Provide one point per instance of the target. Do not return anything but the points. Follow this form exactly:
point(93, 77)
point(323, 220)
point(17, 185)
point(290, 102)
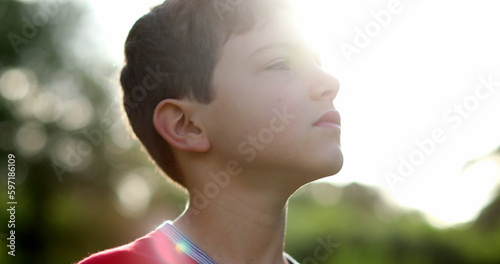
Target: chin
point(331, 167)
point(320, 171)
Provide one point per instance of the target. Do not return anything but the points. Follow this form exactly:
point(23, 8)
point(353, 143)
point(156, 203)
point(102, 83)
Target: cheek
point(278, 124)
point(268, 112)
point(263, 116)
point(281, 111)
point(259, 124)
point(274, 110)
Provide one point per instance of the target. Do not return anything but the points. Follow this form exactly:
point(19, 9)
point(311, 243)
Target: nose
point(324, 86)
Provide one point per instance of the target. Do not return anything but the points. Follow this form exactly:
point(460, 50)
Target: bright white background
point(395, 91)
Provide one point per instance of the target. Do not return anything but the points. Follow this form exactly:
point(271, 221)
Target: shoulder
point(122, 255)
point(154, 248)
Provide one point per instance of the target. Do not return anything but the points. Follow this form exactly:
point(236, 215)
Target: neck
point(238, 225)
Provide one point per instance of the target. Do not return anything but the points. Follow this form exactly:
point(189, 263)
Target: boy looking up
point(232, 104)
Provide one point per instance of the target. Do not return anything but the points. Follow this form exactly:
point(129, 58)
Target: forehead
point(281, 30)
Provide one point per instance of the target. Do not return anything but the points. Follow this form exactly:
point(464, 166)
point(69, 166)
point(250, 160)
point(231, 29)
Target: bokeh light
point(70, 154)
point(77, 114)
point(31, 138)
point(15, 84)
point(47, 107)
point(134, 195)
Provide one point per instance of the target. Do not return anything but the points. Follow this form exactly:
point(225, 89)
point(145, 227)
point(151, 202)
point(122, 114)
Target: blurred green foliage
point(368, 230)
point(73, 188)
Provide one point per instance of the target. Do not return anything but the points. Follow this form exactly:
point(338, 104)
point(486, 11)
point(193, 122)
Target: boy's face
point(270, 93)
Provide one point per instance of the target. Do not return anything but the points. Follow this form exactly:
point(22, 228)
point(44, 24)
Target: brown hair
point(171, 53)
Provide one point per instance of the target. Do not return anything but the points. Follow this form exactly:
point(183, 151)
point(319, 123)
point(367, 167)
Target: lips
point(330, 119)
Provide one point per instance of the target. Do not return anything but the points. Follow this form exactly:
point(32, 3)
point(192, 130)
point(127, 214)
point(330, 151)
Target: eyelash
point(281, 65)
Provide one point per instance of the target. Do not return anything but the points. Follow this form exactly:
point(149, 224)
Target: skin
point(268, 68)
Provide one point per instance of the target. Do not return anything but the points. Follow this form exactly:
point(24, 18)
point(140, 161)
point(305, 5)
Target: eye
point(280, 65)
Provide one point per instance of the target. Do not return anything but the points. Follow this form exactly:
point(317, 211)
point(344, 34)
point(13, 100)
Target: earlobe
point(173, 121)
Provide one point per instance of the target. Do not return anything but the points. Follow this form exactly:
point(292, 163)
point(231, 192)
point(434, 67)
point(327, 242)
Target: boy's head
point(200, 76)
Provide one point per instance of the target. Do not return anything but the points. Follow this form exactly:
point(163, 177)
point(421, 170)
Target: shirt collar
point(184, 244)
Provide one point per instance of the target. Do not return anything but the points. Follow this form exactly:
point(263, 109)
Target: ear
point(174, 122)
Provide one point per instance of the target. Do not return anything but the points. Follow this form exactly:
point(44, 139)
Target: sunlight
point(397, 89)
point(309, 14)
point(315, 19)
point(480, 177)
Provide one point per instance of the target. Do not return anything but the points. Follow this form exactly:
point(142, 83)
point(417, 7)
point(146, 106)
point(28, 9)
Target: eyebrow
point(293, 46)
point(275, 46)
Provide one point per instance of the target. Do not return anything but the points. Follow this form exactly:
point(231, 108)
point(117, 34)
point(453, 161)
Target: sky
point(419, 97)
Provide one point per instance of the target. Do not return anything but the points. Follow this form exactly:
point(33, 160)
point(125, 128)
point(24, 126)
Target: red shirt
point(154, 248)
point(165, 245)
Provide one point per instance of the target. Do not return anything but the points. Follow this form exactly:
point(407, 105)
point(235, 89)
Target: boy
point(231, 103)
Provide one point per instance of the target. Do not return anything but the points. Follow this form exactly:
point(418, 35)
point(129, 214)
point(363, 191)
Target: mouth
point(330, 119)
